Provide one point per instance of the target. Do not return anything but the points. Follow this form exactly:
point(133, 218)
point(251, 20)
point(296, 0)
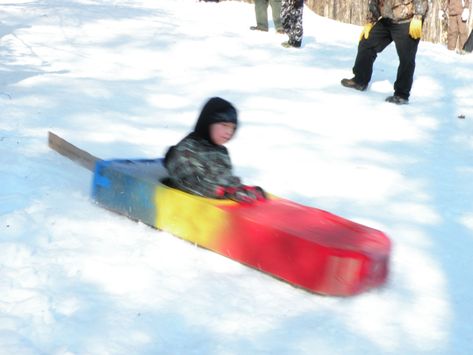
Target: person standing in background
point(458, 12)
point(390, 21)
point(261, 11)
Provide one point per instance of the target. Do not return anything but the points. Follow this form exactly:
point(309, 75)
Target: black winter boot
point(258, 28)
point(398, 100)
point(352, 84)
point(289, 44)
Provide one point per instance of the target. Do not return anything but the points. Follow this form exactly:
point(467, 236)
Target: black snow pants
point(381, 35)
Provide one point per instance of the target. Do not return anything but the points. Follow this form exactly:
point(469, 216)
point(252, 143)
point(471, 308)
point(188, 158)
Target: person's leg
point(291, 15)
point(261, 11)
point(368, 49)
point(285, 15)
point(276, 12)
point(406, 48)
point(295, 37)
point(452, 32)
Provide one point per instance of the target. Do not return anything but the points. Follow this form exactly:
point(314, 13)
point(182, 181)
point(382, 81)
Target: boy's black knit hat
point(215, 110)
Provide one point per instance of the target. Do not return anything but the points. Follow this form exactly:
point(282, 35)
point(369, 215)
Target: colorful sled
point(307, 247)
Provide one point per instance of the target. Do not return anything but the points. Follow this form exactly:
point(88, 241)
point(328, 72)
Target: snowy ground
point(126, 79)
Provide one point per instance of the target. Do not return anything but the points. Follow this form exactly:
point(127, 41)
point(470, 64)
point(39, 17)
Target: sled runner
point(304, 246)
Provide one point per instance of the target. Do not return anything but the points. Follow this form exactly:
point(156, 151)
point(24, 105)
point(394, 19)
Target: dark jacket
point(197, 165)
point(396, 10)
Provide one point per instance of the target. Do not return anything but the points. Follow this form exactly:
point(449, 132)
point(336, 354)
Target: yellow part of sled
point(196, 219)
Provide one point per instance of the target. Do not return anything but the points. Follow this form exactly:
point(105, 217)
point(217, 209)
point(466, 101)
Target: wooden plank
point(72, 152)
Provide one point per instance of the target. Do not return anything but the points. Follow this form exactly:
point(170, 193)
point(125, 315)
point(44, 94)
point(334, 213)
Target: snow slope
point(126, 79)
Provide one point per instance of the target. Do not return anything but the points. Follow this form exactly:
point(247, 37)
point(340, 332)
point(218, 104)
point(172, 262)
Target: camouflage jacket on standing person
point(200, 167)
point(396, 10)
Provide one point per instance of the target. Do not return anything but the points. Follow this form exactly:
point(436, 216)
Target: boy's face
point(221, 132)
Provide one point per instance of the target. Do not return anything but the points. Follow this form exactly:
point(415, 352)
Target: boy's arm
point(190, 175)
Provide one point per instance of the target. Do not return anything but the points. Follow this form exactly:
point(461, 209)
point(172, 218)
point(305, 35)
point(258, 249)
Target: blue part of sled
point(128, 186)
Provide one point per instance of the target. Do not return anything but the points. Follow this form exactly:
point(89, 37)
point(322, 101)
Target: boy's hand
point(242, 194)
point(256, 191)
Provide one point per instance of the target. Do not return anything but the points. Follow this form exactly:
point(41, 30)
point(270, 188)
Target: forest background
point(354, 12)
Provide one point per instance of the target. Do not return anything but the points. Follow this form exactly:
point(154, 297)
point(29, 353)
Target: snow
point(126, 79)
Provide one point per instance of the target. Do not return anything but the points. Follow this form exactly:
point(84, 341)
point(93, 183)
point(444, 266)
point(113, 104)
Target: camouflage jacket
point(396, 10)
point(199, 167)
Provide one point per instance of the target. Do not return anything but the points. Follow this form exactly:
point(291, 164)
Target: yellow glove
point(366, 31)
point(415, 27)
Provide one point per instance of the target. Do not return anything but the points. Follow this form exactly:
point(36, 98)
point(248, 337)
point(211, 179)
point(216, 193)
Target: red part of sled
point(308, 247)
